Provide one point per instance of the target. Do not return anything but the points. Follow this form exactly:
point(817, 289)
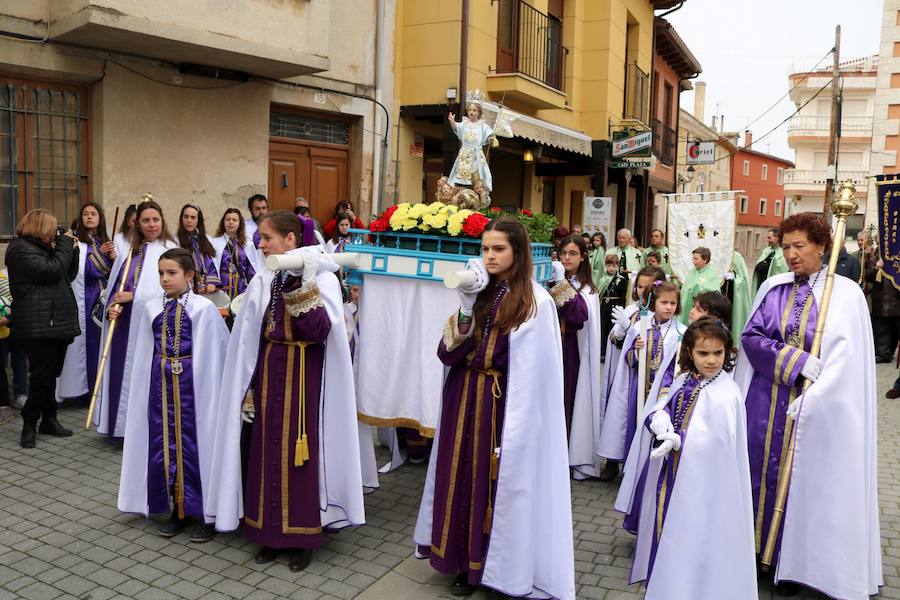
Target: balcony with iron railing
point(820, 126)
point(531, 59)
point(637, 94)
point(665, 142)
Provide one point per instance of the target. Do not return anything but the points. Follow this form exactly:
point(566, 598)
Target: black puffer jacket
point(43, 306)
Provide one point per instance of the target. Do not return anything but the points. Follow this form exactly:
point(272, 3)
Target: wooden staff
point(843, 206)
point(115, 222)
point(109, 336)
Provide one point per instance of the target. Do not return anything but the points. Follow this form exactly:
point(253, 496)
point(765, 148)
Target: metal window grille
point(43, 152)
point(311, 129)
point(637, 93)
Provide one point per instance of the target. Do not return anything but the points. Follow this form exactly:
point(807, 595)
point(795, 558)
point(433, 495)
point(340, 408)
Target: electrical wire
point(171, 84)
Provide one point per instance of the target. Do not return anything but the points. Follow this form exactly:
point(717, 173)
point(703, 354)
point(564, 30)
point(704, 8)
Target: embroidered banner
point(700, 220)
point(888, 187)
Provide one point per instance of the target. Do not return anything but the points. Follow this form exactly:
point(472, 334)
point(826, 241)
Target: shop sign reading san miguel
point(631, 148)
point(888, 225)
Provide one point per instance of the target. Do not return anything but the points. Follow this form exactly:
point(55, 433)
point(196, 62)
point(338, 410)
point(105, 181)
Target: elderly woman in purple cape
point(829, 537)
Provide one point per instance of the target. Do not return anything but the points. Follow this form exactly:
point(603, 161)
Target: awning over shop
point(540, 131)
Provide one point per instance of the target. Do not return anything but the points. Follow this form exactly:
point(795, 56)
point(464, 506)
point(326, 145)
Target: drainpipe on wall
point(463, 57)
point(378, 193)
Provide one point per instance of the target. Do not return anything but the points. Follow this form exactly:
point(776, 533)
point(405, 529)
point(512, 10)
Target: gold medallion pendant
point(794, 339)
point(177, 368)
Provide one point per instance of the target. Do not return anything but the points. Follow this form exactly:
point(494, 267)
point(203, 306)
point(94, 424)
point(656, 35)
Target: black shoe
point(300, 560)
point(609, 472)
point(883, 359)
point(461, 586)
point(173, 526)
point(50, 426)
point(29, 435)
point(787, 588)
point(265, 555)
point(203, 533)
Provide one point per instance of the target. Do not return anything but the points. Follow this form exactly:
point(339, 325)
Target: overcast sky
point(747, 50)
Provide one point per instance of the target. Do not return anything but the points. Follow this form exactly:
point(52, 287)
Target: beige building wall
point(886, 127)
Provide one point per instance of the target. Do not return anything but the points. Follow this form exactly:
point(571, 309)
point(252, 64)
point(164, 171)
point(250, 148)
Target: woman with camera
point(42, 261)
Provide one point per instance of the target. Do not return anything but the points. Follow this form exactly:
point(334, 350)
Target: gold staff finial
point(844, 203)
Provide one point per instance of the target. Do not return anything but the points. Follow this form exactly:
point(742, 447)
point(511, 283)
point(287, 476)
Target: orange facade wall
point(664, 74)
point(756, 188)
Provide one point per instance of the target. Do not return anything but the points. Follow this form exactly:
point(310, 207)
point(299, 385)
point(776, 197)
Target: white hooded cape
point(219, 243)
point(530, 552)
point(147, 289)
point(706, 550)
point(366, 440)
point(613, 444)
point(72, 382)
point(587, 412)
point(209, 338)
point(832, 504)
point(340, 482)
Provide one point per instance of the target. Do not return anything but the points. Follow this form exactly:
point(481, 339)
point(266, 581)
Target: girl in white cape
point(692, 508)
point(151, 238)
point(236, 259)
point(663, 337)
point(179, 357)
point(288, 374)
point(578, 306)
point(496, 510)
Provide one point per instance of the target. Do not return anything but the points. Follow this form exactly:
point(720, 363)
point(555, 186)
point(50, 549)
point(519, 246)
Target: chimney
point(713, 127)
point(699, 101)
point(748, 138)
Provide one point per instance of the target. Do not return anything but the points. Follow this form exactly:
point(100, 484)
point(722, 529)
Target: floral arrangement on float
point(436, 218)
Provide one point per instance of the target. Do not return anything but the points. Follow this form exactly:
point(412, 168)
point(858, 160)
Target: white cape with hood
point(147, 289)
point(73, 381)
point(209, 338)
point(253, 255)
point(703, 553)
point(340, 482)
point(530, 552)
point(613, 444)
point(588, 409)
point(832, 503)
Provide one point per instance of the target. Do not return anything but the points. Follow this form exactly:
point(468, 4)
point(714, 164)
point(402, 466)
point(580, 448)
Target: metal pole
point(834, 128)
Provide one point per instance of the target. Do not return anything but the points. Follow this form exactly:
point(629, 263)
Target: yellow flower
point(417, 210)
point(455, 221)
point(400, 215)
point(437, 220)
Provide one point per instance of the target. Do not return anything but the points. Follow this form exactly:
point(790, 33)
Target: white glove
point(793, 410)
point(482, 277)
point(247, 416)
point(661, 423)
point(466, 301)
point(620, 323)
point(557, 271)
point(729, 276)
point(812, 368)
point(671, 441)
point(310, 264)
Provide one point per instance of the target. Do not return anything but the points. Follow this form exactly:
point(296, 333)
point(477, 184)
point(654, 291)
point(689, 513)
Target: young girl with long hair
point(696, 429)
point(179, 357)
point(95, 259)
point(236, 256)
point(151, 238)
point(290, 377)
point(663, 336)
point(192, 236)
point(341, 235)
point(122, 238)
point(499, 456)
point(578, 307)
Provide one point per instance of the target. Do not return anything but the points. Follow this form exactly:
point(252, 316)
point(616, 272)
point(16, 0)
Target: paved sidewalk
point(61, 536)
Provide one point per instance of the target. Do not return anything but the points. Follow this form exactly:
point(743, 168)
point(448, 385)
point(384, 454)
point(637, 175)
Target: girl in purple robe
point(664, 334)
point(573, 312)
point(466, 468)
point(235, 253)
point(151, 238)
point(96, 256)
point(174, 402)
point(192, 236)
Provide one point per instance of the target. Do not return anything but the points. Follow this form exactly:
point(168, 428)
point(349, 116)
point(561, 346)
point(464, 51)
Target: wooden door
point(507, 35)
point(318, 173)
point(327, 181)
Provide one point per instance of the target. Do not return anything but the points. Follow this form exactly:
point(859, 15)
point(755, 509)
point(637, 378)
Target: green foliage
point(540, 226)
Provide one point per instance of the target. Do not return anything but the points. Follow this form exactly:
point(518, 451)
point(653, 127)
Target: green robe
point(596, 258)
point(778, 265)
point(603, 282)
point(697, 282)
point(743, 300)
point(634, 260)
point(664, 253)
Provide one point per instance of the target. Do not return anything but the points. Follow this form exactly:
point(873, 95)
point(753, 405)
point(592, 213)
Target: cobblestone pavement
point(61, 536)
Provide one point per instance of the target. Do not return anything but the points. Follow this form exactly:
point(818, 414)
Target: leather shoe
point(300, 560)
point(610, 471)
point(29, 435)
point(461, 586)
point(265, 555)
point(787, 589)
point(204, 533)
point(892, 393)
point(50, 426)
point(173, 526)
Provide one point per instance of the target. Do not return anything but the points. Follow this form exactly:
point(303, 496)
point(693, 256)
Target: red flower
point(474, 225)
point(379, 225)
point(527, 212)
point(496, 209)
point(386, 215)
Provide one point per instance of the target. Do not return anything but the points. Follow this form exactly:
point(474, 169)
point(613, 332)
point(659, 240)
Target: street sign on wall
point(632, 143)
point(597, 215)
point(701, 153)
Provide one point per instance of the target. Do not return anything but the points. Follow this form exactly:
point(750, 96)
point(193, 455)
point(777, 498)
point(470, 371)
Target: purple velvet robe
point(173, 462)
point(281, 500)
point(775, 384)
point(572, 317)
point(96, 272)
point(119, 347)
point(206, 265)
point(474, 402)
point(237, 271)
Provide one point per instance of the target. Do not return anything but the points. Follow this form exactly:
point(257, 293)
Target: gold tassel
point(301, 448)
point(298, 453)
point(495, 466)
point(304, 444)
point(488, 519)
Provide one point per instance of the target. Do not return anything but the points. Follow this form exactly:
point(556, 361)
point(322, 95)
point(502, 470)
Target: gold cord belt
point(301, 447)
